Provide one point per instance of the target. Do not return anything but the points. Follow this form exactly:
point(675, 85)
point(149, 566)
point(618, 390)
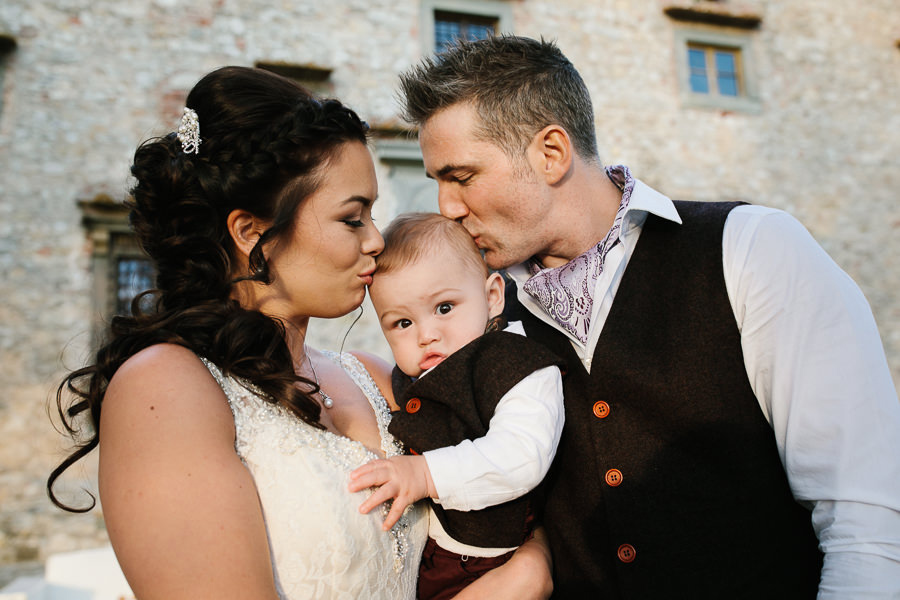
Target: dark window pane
point(728, 86)
point(699, 84)
point(725, 63)
point(133, 276)
point(726, 73)
point(479, 32)
point(697, 71)
point(444, 34)
point(696, 59)
point(448, 26)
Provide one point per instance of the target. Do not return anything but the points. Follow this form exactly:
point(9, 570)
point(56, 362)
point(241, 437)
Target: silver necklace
point(327, 402)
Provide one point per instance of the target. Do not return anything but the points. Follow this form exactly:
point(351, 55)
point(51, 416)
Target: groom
point(730, 419)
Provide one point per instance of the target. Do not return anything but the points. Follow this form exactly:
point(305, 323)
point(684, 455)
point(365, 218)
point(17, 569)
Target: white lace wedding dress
point(321, 546)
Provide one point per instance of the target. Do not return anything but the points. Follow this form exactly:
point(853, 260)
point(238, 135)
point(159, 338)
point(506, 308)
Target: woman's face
point(322, 267)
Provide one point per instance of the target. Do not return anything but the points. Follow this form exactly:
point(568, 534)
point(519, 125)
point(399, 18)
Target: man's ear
point(551, 153)
point(494, 288)
point(244, 229)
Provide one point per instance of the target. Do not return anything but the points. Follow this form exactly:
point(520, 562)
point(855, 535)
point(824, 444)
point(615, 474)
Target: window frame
point(123, 245)
point(400, 156)
point(106, 226)
point(712, 72)
point(501, 11)
point(741, 44)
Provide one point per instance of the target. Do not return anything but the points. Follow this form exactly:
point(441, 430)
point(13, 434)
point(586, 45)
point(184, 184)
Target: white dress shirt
point(817, 366)
point(507, 462)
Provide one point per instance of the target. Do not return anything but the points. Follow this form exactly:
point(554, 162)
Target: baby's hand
point(403, 478)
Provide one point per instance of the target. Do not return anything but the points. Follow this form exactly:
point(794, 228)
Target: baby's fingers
point(366, 476)
point(382, 494)
point(368, 468)
point(394, 514)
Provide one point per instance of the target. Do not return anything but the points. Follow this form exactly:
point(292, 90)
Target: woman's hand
point(527, 575)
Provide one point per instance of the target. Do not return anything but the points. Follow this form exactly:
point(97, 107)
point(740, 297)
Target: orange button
point(413, 405)
point(601, 409)
point(626, 553)
point(614, 477)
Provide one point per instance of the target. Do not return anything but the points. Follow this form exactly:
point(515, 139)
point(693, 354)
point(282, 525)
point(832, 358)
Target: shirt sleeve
point(817, 366)
point(515, 454)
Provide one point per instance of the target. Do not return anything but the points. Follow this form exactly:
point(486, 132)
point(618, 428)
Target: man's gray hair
point(517, 86)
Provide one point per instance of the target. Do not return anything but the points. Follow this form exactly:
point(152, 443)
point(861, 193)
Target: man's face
point(503, 206)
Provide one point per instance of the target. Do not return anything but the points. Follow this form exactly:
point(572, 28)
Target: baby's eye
point(444, 307)
point(402, 323)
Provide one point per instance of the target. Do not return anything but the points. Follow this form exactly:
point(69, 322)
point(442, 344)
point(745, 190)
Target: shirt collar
point(644, 199)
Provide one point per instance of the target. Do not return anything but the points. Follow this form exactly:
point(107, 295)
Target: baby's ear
point(494, 289)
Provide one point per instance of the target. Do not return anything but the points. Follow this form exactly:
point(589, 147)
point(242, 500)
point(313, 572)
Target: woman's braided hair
point(265, 141)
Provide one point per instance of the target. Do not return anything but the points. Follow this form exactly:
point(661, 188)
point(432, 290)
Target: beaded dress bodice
point(320, 545)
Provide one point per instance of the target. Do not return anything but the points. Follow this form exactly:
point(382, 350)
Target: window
point(119, 267)
point(407, 184)
point(449, 26)
point(131, 273)
point(444, 21)
point(715, 69)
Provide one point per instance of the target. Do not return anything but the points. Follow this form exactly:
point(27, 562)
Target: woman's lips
point(367, 276)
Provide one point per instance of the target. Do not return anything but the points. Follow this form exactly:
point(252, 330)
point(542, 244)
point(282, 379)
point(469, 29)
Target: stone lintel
point(7, 43)
point(301, 72)
point(102, 211)
point(713, 15)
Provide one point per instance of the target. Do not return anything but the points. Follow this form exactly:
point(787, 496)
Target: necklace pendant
point(327, 402)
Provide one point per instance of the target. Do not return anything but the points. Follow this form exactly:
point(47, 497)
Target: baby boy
point(480, 409)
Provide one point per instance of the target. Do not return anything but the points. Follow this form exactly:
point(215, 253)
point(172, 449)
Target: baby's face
point(431, 308)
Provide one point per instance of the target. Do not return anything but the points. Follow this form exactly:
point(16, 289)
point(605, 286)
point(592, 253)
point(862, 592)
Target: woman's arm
point(527, 575)
point(181, 509)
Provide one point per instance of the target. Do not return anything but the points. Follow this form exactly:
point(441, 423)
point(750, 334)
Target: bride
point(225, 441)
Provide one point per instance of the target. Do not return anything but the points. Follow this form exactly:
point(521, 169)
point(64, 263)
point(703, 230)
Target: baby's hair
point(411, 236)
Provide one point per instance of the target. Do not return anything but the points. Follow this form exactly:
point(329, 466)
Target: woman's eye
point(402, 323)
point(444, 307)
point(354, 222)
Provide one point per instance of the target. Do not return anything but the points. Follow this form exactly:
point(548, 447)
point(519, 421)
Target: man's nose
point(450, 203)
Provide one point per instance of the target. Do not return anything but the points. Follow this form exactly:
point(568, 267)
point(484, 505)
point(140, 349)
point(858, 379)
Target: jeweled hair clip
point(189, 132)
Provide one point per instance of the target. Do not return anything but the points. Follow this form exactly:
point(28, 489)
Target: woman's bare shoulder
point(160, 358)
point(169, 381)
point(380, 371)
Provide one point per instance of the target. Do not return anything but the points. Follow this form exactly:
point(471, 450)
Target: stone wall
point(89, 80)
